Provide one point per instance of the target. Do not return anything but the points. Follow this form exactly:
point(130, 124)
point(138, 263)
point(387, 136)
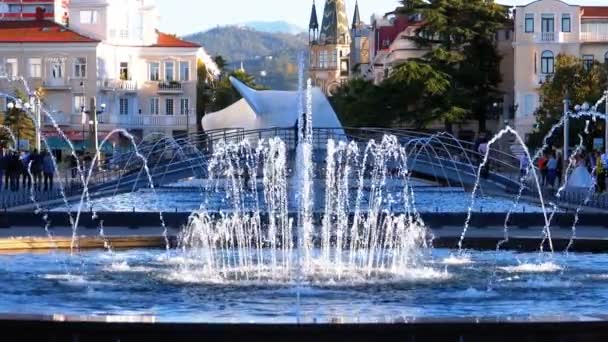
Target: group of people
point(586, 169)
point(550, 167)
point(22, 170)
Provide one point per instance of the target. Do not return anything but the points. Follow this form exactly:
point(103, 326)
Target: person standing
point(24, 160)
point(3, 170)
point(73, 166)
point(13, 170)
point(600, 174)
point(48, 168)
point(524, 165)
point(542, 166)
point(36, 169)
point(552, 170)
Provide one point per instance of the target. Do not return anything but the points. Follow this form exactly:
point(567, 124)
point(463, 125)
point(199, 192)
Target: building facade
point(56, 10)
point(145, 79)
point(545, 29)
point(330, 46)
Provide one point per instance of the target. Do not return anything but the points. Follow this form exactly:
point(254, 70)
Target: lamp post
point(93, 114)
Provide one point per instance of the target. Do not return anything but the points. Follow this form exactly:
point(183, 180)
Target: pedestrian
point(552, 170)
point(36, 169)
point(542, 166)
point(24, 160)
point(73, 165)
point(87, 161)
point(48, 168)
point(3, 169)
point(524, 165)
point(600, 174)
point(4, 166)
point(14, 169)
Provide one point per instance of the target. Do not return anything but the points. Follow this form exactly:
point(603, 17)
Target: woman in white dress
point(580, 177)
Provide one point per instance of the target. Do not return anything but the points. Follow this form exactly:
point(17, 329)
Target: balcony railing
point(594, 36)
point(137, 120)
point(170, 87)
point(118, 85)
point(58, 84)
point(549, 37)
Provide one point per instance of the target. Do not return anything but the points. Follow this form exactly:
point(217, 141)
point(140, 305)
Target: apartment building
point(545, 29)
point(56, 10)
point(111, 52)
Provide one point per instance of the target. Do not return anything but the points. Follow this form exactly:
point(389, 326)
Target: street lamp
point(93, 114)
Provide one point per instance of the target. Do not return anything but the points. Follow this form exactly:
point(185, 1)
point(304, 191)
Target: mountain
point(274, 27)
point(271, 57)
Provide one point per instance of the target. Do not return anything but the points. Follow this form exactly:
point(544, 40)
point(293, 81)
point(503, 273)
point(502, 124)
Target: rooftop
point(168, 40)
point(39, 31)
point(595, 11)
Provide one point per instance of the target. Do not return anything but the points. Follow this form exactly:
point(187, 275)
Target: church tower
point(330, 48)
point(359, 50)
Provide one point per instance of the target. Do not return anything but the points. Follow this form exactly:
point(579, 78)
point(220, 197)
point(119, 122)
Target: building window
point(529, 105)
point(323, 62)
point(35, 67)
point(124, 71)
point(11, 67)
point(169, 71)
point(507, 34)
point(56, 69)
point(80, 67)
point(88, 17)
point(184, 71)
point(169, 109)
point(588, 61)
point(154, 71)
point(548, 23)
point(124, 106)
point(529, 23)
point(184, 105)
point(547, 63)
point(154, 106)
point(566, 23)
point(79, 103)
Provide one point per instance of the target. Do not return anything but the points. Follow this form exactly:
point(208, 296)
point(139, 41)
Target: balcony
point(56, 84)
point(549, 37)
point(142, 121)
point(591, 37)
point(112, 85)
point(172, 87)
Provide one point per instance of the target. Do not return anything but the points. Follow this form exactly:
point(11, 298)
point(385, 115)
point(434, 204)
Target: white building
point(113, 52)
point(545, 29)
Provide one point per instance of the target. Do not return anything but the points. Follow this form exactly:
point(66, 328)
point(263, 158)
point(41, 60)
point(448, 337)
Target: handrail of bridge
point(207, 140)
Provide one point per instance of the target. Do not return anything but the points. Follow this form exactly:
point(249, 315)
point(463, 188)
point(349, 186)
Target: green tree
point(18, 121)
point(582, 85)
point(460, 35)
point(409, 97)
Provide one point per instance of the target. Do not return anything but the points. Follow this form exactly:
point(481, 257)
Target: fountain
point(311, 228)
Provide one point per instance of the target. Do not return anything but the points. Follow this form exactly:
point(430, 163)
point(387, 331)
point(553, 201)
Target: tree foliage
point(18, 121)
point(217, 93)
point(460, 35)
point(582, 85)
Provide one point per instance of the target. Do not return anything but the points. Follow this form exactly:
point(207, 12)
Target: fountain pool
point(145, 283)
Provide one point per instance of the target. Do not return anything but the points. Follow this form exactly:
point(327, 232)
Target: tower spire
point(314, 22)
point(356, 17)
point(313, 26)
point(334, 28)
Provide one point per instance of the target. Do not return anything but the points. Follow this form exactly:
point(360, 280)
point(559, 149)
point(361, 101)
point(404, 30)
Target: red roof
point(39, 31)
point(595, 12)
point(168, 40)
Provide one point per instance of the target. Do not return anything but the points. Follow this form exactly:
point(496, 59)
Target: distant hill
point(271, 57)
point(274, 27)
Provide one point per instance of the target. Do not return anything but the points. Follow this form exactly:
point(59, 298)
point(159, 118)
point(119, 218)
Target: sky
point(190, 16)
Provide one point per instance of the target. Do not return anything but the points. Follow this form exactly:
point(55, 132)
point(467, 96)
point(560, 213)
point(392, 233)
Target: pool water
point(153, 283)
